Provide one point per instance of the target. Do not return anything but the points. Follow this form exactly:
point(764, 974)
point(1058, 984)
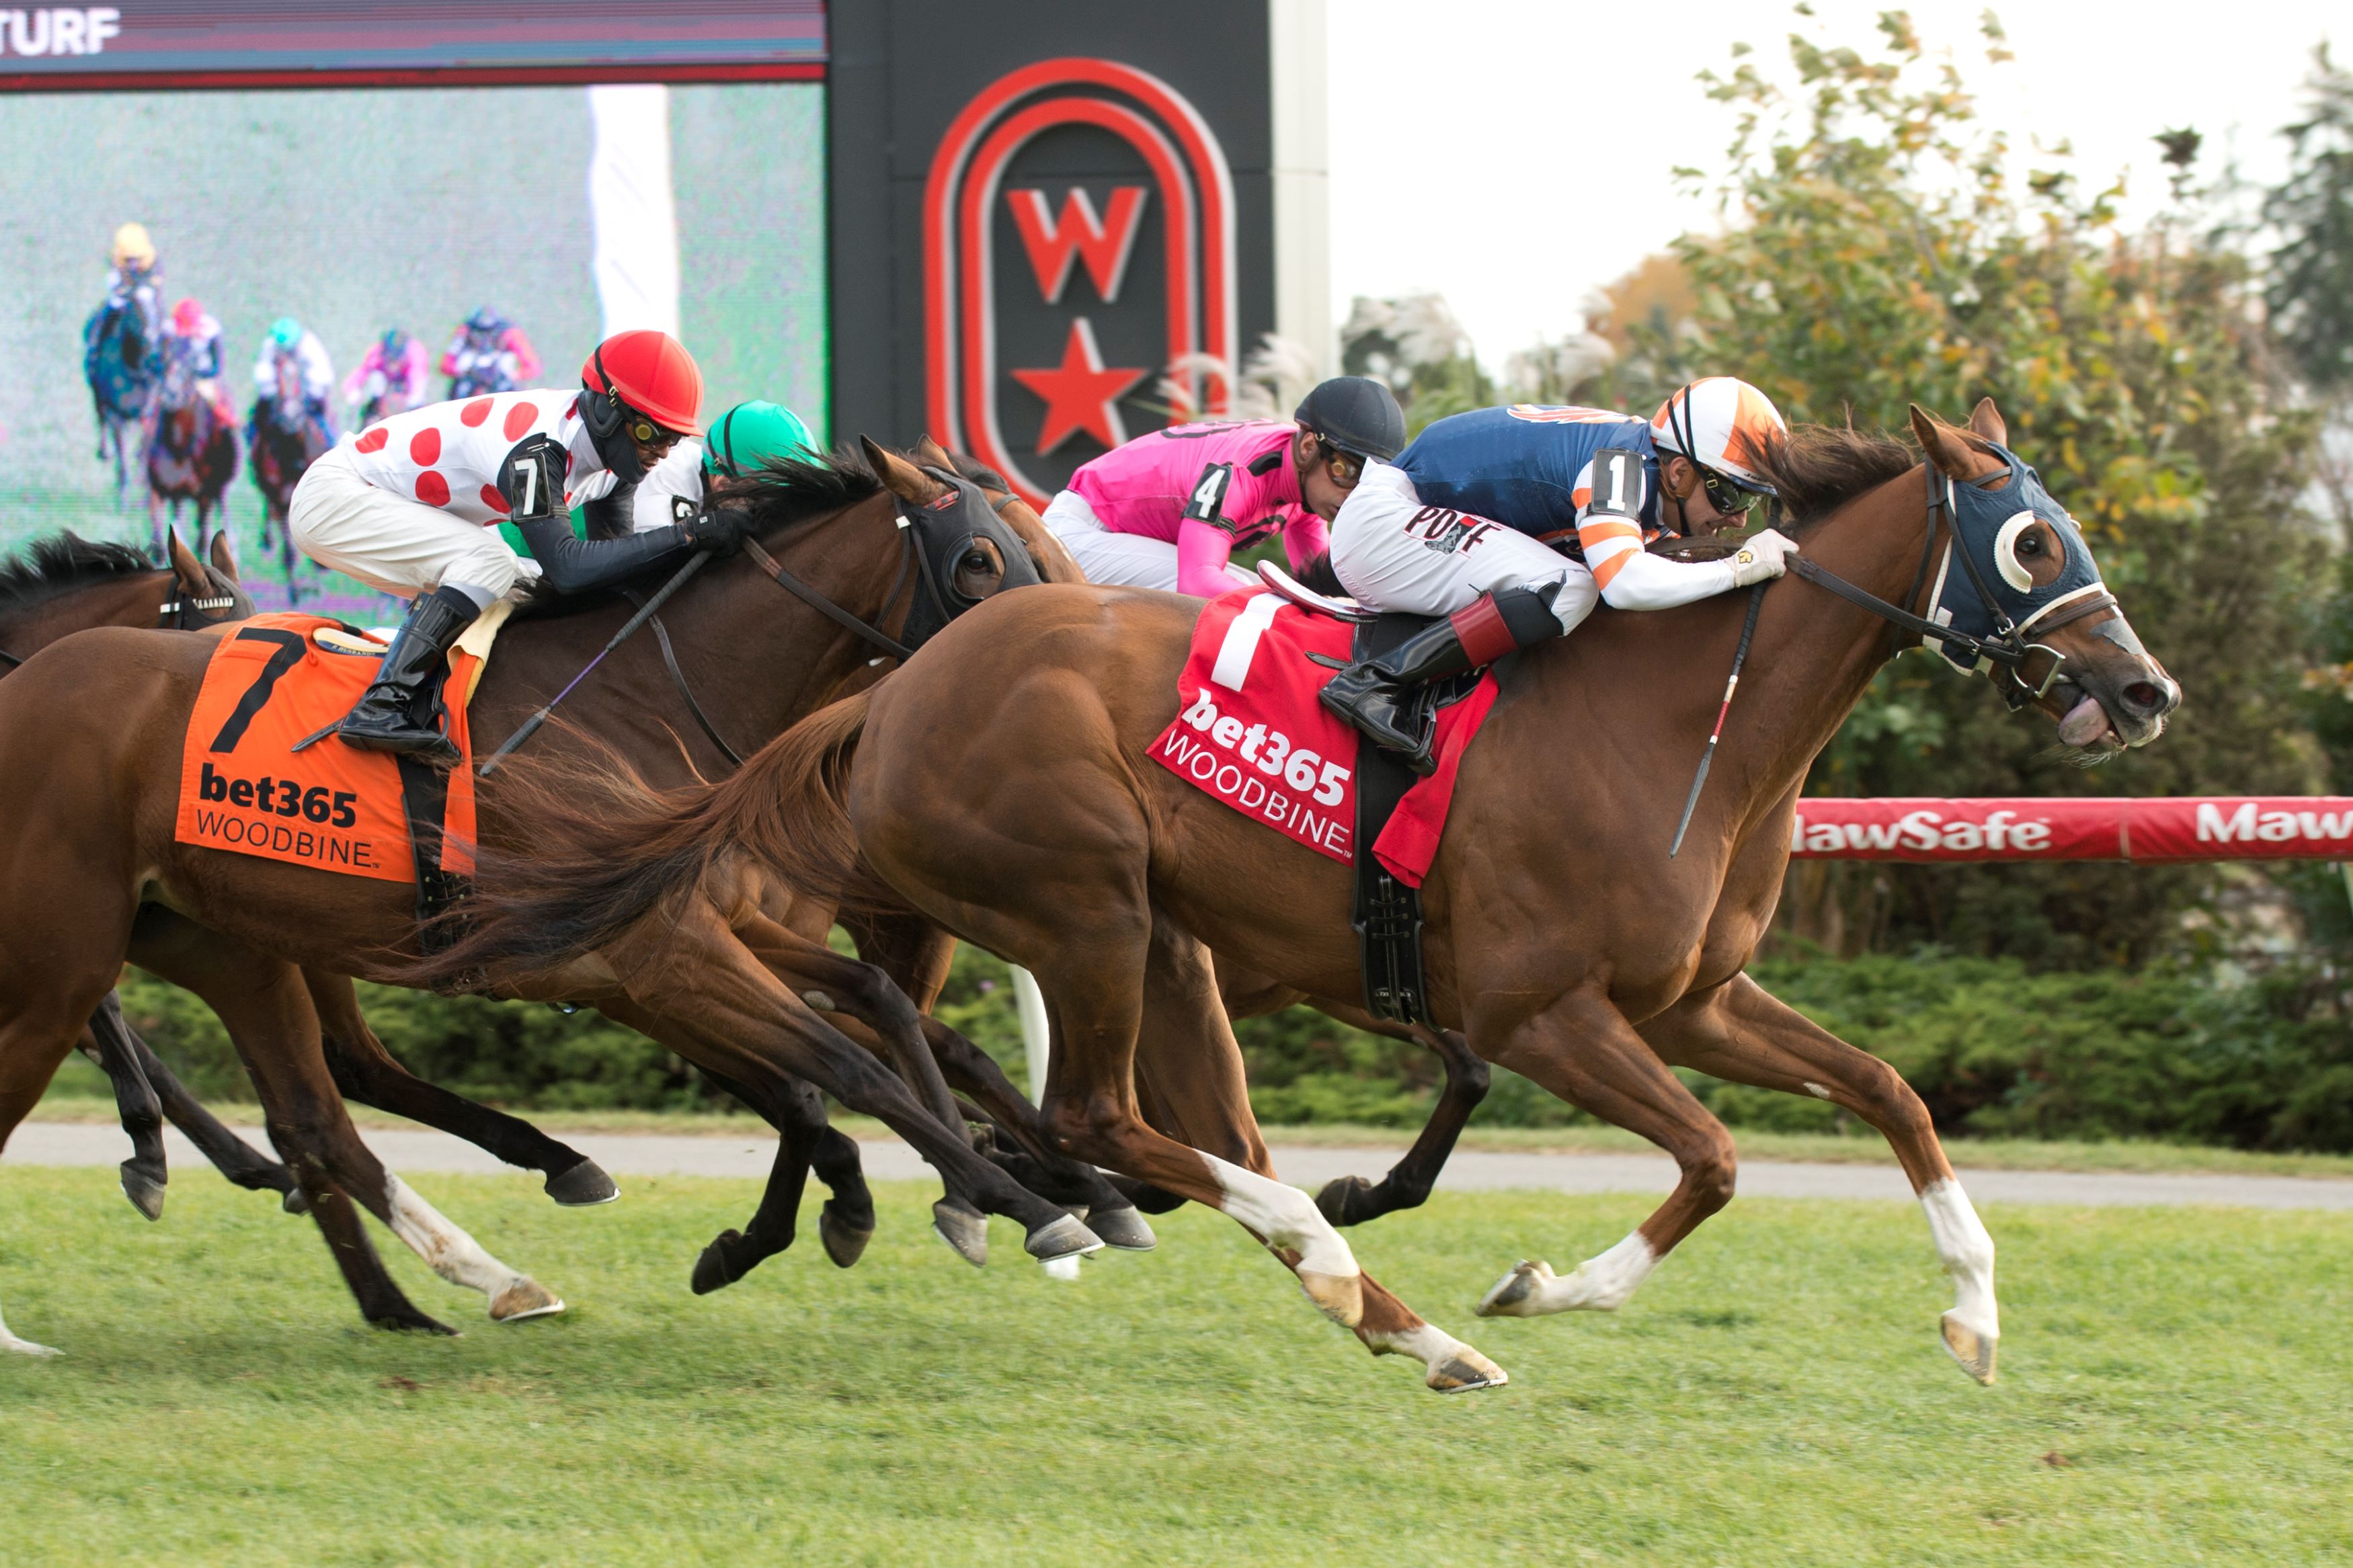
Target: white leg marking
point(1285, 1217)
point(459, 1258)
point(1601, 1284)
point(9, 1342)
point(1966, 1251)
point(1449, 1365)
point(819, 1000)
point(1817, 1091)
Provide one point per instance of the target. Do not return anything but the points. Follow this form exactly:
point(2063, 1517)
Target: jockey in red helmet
point(420, 505)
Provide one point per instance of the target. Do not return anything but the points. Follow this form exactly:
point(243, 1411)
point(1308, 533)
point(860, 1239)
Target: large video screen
point(560, 211)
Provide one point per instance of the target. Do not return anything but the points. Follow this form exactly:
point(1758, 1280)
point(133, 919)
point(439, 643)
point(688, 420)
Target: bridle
point(177, 614)
point(2008, 650)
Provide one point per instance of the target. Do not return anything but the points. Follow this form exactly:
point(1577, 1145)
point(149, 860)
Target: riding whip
point(1739, 658)
point(530, 726)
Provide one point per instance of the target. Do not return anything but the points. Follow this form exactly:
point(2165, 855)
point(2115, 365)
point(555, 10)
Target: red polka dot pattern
point(432, 489)
point(495, 501)
point(372, 440)
point(474, 413)
point(424, 447)
point(520, 418)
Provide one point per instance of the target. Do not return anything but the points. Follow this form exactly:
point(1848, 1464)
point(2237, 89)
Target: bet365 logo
point(284, 797)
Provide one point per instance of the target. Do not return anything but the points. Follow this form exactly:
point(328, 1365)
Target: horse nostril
point(2145, 696)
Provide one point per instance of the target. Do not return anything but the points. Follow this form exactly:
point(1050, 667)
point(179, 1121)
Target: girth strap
point(820, 603)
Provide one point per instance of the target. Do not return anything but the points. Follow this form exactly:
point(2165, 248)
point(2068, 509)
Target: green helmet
point(750, 435)
point(286, 332)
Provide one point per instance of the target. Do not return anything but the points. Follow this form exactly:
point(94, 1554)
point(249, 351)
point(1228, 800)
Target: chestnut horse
point(89, 854)
point(1000, 784)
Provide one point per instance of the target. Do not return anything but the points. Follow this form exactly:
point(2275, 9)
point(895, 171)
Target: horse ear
point(1957, 454)
point(932, 455)
point(1052, 558)
point(224, 560)
point(187, 569)
point(1985, 420)
point(906, 481)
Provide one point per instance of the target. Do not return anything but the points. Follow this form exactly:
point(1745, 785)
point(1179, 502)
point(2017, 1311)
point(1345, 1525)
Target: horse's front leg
point(1582, 1049)
point(1738, 1032)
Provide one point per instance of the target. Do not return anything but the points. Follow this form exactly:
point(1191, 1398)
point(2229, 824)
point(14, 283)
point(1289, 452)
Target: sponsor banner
point(270, 43)
point(2216, 827)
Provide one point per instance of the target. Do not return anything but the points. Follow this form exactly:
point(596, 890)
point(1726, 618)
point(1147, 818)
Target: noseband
point(2007, 648)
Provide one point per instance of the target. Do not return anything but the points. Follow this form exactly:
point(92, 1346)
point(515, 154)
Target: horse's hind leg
point(136, 1103)
point(240, 1162)
point(1583, 1049)
point(1740, 1033)
point(270, 1018)
point(364, 1071)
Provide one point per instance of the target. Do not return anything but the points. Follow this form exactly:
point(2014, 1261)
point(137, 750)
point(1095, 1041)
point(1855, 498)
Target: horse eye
point(976, 561)
point(2030, 545)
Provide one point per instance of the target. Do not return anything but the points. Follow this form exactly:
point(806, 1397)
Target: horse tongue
point(2084, 723)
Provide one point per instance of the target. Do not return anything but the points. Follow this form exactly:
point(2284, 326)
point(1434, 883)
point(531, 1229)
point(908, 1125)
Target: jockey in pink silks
point(1167, 510)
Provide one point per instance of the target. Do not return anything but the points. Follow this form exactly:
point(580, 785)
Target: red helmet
point(186, 317)
point(652, 373)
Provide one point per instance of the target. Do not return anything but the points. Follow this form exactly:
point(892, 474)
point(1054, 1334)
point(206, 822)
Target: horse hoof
point(145, 1192)
point(1123, 1228)
point(1063, 1238)
point(1464, 1371)
point(1339, 1297)
point(585, 1185)
point(711, 1270)
point(1974, 1350)
point(1514, 1294)
point(1346, 1200)
point(964, 1228)
point(409, 1320)
point(296, 1201)
point(526, 1298)
point(844, 1243)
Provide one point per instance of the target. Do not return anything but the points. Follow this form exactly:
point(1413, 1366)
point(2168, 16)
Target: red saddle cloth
point(328, 806)
point(1250, 731)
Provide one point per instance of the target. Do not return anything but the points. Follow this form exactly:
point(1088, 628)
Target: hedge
point(1994, 1049)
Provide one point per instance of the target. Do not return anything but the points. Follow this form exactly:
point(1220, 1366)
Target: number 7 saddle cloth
point(1250, 731)
point(276, 680)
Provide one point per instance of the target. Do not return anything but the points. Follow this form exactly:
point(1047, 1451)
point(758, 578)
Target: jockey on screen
point(134, 289)
point(737, 445)
point(194, 334)
point(1462, 526)
point(411, 507)
point(290, 341)
point(489, 354)
point(1168, 509)
point(389, 379)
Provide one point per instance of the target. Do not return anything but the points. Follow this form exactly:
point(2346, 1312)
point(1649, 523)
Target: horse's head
point(965, 551)
point(1052, 558)
point(207, 590)
point(2018, 570)
point(179, 388)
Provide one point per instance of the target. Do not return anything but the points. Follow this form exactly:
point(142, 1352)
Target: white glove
point(1762, 558)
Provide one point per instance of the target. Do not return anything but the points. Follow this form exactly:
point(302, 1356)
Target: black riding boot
point(397, 713)
point(1377, 694)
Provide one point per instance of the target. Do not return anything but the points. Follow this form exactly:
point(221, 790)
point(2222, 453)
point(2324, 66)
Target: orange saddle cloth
point(271, 683)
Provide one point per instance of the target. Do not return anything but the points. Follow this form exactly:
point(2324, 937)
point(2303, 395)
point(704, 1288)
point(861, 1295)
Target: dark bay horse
point(90, 859)
point(285, 439)
point(999, 785)
point(191, 453)
point(121, 360)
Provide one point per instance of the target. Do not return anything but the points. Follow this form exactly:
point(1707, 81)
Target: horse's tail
point(608, 850)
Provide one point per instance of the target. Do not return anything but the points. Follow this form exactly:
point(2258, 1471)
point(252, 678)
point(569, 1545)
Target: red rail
point(2213, 827)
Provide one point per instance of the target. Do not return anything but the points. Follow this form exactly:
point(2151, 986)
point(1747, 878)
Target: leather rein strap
point(823, 606)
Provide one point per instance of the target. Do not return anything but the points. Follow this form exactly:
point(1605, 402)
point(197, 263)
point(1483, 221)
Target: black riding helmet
point(1356, 414)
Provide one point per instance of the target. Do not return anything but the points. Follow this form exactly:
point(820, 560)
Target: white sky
point(1514, 154)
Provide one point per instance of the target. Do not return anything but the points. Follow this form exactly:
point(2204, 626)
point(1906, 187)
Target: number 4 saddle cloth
point(276, 680)
point(1250, 731)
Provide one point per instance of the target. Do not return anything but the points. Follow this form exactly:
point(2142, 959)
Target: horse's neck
point(1815, 654)
point(132, 600)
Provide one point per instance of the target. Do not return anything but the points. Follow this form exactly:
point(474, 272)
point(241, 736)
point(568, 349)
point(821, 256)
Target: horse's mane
point(792, 489)
point(62, 562)
point(1819, 468)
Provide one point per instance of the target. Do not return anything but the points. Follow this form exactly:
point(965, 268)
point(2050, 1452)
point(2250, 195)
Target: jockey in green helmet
point(735, 447)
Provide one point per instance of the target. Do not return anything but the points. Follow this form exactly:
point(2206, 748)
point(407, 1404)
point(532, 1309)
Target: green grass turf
point(2173, 1392)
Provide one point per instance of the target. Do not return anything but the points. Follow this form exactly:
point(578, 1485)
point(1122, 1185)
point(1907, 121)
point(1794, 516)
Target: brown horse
point(89, 855)
point(1000, 784)
point(191, 452)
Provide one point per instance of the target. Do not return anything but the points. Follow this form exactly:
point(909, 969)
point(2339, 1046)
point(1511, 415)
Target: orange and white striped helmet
point(1720, 422)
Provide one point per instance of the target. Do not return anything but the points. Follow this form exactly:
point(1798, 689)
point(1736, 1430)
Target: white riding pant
point(1130, 560)
point(392, 544)
point(1391, 552)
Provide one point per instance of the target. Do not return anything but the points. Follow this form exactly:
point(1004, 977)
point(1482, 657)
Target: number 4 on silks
point(1209, 498)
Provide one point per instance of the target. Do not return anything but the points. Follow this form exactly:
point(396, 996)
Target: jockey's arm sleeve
point(1630, 579)
point(572, 566)
point(1202, 551)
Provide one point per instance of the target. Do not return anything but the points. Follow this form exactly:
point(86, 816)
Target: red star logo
point(1080, 393)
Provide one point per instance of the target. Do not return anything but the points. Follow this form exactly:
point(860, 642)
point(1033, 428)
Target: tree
point(2311, 289)
point(1878, 253)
